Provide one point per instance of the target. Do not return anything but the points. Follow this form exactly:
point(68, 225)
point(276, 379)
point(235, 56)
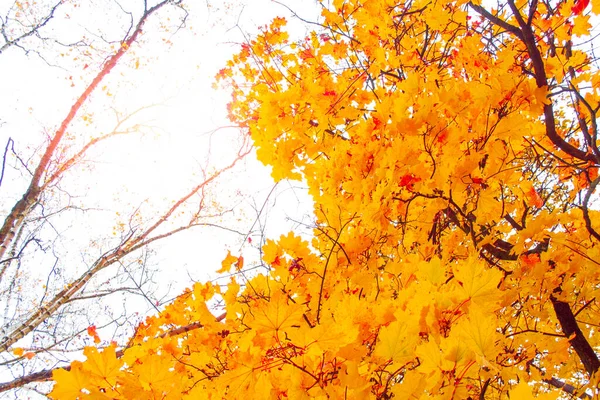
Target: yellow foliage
point(449, 171)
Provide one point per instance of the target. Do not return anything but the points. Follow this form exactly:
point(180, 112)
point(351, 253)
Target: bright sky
point(180, 130)
point(185, 117)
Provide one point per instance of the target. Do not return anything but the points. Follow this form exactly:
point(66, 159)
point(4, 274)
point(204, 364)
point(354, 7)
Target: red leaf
point(276, 261)
point(580, 5)
point(377, 122)
point(91, 330)
point(408, 181)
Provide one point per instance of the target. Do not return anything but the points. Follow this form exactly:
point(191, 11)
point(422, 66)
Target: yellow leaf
point(227, 263)
point(596, 7)
point(478, 281)
point(104, 364)
point(69, 384)
point(232, 292)
point(479, 333)
point(397, 340)
point(432, 271)
point(430, 357)
point(324, 337)
point(155, 373)
point(412, 386)
point(278, 314)
point(521, 392)
point(272, 253)
point(541, 95)
point(581, 25)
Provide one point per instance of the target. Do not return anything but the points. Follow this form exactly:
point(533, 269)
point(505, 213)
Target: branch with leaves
point(454, 253)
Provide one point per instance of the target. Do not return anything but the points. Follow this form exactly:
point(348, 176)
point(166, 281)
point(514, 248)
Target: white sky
point(161, 164)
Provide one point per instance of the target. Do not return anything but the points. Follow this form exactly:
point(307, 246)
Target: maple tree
point(451, 151)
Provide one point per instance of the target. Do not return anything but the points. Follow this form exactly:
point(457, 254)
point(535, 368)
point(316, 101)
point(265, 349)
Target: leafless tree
point(54, 280)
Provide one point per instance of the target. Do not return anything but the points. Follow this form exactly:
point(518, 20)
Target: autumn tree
point(451, 152)
point(70, 267)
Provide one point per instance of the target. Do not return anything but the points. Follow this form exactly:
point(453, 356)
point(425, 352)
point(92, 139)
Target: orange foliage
point(455, 253)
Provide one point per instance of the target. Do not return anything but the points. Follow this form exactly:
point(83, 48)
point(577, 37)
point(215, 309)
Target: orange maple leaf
point(227, 263)
point(533, 198)
point(239, 264)
point(530, 259)
point(103, 364)
point(91, 330)
point(69, 384)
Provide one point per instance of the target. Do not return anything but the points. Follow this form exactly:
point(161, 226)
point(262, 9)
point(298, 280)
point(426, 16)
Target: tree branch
point(525, 34)
point(571, 329)
point(17, 214)
point(127, 246)
point(46, 375)
point(35, 29)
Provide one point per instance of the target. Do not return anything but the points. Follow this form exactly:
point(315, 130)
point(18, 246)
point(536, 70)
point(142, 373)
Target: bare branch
point(34, 30)
point(46, 374)
point(15, 217)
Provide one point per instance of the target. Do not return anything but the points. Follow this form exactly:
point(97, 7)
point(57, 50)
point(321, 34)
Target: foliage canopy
point(451, 151)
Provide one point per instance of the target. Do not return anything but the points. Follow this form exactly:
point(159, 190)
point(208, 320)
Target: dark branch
point(571, 329)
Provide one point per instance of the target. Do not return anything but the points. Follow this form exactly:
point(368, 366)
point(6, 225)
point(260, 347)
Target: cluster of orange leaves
point(421, 148)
